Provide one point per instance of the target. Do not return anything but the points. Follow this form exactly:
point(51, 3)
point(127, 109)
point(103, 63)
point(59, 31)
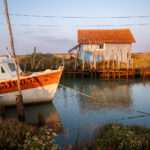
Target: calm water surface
point(124, 101)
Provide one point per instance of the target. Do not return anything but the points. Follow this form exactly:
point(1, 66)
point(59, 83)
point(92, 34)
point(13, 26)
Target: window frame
point(9, 64)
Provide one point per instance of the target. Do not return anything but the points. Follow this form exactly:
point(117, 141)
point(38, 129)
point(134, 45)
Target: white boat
point(36, 88)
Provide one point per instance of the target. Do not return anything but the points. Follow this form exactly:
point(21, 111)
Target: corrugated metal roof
point(105, 36)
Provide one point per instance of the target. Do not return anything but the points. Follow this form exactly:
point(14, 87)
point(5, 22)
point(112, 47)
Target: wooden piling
point(103, 60)
point(91, 74)
point(12, 47)
point(128, 54)
point(113, 65)
point(132, 63)
point(118, 57)
point(94, 60)
point(75, 64)
point(108, 64)
point(2, 111)
point(83, 62)
point(20, 108)
point(41, 119)
point(15, 62)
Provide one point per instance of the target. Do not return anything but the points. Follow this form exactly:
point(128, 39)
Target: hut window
point(101, 46)
point(2, 70)
point(11, 67)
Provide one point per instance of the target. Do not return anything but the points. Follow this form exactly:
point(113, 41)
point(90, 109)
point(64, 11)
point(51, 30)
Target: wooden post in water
point(41, 119)
point(19, 97)
point(20, 108)
point(2, 109)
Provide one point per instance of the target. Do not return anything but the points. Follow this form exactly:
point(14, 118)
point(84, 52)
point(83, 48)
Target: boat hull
point(35, 89)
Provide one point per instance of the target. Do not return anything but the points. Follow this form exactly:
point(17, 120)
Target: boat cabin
point(7, 68)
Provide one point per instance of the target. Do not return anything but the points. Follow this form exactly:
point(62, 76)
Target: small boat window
point(2, 70)
point(11, 67)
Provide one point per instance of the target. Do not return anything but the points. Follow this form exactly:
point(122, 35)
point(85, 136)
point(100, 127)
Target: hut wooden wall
point(118, 52)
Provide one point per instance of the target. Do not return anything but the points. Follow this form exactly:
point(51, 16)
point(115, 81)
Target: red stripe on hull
point(30, 82)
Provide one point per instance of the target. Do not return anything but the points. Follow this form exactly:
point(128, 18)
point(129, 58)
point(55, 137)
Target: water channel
point(104, 101)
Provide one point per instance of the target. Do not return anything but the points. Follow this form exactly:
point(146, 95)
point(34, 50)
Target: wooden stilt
point(128, 54)
point(94, 61)
point(103, 60)
point(91, 67)
point(75, 64)
point(108, 64)
point(119, 74)
point(83, 63)
point(108, 74)
point(132, 63)
point(113, 58)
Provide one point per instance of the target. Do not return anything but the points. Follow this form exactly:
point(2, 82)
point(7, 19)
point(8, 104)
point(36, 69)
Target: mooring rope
point(93, 98)
point(76, 91)
point(141, 112)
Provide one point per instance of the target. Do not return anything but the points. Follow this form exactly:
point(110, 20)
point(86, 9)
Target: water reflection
point(51, 117)
point(108, 95)
point(124, 101)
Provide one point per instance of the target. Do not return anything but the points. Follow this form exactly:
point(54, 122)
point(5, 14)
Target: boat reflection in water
point(51, 117)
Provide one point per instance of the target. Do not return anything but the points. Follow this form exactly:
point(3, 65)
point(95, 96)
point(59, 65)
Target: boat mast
point(12, 48)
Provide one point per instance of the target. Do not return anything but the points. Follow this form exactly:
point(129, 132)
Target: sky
point(52, 25)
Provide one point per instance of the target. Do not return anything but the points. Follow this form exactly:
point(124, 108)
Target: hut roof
point(105, 36)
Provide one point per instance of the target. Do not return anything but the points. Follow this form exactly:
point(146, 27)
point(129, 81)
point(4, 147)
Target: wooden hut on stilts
point(104, 49)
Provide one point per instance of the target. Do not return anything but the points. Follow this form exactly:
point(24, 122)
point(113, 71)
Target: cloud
point(24, 43)
point(54, 44)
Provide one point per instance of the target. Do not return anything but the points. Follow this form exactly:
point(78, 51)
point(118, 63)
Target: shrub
point(39, 62)
point(18, 135)
point(43, 140)
point(117, 136)
point(13, 133)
